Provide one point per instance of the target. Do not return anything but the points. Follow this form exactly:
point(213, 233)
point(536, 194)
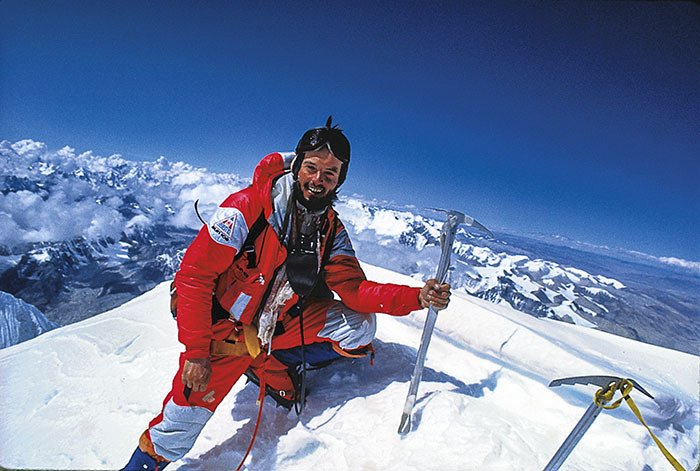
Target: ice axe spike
point(447, 237)
point(607, 384)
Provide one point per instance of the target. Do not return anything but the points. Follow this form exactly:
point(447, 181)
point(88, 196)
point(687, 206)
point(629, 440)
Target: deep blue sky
point(580, 119)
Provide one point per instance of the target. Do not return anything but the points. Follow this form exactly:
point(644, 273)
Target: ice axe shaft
point(574, 437)
point(447, 237)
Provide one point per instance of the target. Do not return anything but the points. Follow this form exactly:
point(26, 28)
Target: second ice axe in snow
point(608, 385)
point(447, 237)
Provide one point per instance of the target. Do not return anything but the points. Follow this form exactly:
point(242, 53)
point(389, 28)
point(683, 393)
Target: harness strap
point(234, 345)
point(146, 446)
point(248, 247)
point(360, 352)
point(299, 404)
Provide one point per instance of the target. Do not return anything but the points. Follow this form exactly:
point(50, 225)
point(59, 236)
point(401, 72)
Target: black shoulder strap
point(248, 246)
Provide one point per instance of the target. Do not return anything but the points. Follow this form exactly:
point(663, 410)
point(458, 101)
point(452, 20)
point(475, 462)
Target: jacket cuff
point(414, 305)
point(192, 353)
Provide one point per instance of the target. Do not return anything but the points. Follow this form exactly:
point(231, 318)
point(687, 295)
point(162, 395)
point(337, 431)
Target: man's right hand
point(196, 374)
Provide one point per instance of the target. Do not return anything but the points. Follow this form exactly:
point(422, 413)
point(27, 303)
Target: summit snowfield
point(78, 397)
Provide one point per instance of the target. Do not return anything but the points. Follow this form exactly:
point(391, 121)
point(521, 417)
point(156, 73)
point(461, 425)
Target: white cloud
point(138, 221)
point(67, 152)
point(679, 262)
point(63, 194)
point(28, 147)
point(107, 223)
point(10, 229)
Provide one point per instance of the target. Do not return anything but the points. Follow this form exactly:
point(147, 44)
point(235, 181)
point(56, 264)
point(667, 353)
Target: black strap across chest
point(248, 246)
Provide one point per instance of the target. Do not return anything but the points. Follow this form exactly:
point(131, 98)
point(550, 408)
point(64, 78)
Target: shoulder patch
point(228, 227)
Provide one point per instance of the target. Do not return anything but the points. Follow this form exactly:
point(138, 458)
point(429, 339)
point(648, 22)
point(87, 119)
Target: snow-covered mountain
point(83, 233)
point(86, 233)
point(620, 292)
point(20, 321)
point(78, 397)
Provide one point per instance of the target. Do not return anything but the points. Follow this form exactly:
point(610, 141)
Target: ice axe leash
point(447, 237)
point(602, 400)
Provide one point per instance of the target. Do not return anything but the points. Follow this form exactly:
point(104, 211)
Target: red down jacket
point(208, 265)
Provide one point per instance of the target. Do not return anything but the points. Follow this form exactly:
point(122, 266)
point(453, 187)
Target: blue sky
point(573, 118)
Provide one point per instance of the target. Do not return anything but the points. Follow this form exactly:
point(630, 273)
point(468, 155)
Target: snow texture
point(79, 396)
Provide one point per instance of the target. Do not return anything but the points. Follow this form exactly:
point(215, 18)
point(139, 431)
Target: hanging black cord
point(196, 210)
point(299, 403)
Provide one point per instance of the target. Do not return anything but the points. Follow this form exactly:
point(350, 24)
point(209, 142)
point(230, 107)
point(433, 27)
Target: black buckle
point(250, 255)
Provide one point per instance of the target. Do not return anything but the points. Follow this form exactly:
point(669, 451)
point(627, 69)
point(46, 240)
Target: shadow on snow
point(329, 388)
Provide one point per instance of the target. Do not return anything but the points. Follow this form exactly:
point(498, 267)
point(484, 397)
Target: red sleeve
point(209, 255)
point(345, 276)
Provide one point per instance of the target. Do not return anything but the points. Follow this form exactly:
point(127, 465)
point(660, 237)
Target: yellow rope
point(625, 386)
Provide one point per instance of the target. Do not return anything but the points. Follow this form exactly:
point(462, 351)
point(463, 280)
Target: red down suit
point(210, 266)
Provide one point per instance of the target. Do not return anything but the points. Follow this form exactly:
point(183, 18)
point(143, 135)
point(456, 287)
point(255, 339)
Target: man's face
point(319, 174)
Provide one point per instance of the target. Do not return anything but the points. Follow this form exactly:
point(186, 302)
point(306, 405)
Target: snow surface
point(79, 397)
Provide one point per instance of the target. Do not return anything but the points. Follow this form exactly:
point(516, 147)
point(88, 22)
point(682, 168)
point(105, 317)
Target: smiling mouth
point(315, 190)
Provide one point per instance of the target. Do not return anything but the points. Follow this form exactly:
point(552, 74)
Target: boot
point(141, 461)
point(279, 386)
point(147, 460)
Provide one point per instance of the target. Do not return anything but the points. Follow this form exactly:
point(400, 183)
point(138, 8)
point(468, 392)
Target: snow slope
point(78, 397)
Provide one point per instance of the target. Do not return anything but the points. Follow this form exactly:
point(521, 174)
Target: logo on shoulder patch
point(224, 228)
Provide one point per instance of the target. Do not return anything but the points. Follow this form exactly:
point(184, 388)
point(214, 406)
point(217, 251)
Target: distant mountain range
point(87, 233)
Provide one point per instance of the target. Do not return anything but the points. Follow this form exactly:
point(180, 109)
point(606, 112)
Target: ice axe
point(608, 385)
point(447, 237)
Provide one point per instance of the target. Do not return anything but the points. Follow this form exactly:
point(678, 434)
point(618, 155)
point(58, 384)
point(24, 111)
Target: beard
point(314, 203)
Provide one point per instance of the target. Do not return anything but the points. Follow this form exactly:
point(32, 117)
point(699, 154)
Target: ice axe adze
point(447, 237)
point(608, 384)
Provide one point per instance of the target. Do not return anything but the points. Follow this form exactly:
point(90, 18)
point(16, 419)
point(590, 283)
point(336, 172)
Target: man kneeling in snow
point(254, 294)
